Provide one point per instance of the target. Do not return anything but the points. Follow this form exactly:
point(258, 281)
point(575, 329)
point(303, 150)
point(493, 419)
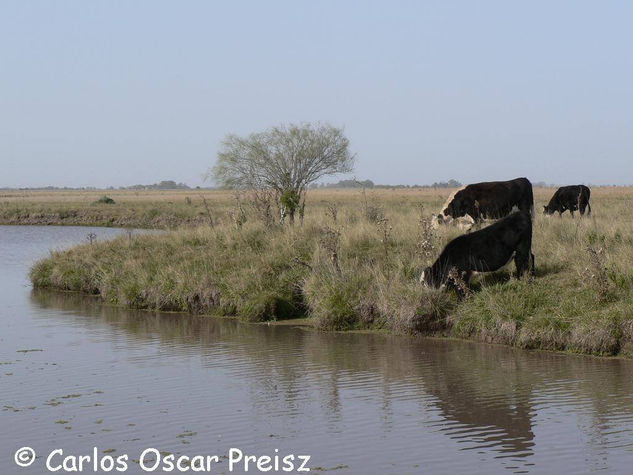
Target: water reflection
point(484, 399)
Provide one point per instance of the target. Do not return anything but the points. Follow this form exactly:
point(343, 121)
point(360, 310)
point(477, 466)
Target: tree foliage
point(284, 159)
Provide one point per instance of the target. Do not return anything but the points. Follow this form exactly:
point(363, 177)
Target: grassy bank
point(138, 209)
point(354, 264)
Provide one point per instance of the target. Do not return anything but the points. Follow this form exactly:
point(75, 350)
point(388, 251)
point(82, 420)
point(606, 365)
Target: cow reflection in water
point(482, 404)
point(484, 396)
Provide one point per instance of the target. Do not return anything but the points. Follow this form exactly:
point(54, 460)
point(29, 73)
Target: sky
point(106, 93)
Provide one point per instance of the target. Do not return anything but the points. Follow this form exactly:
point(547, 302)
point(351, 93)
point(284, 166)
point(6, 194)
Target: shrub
point(105, 200)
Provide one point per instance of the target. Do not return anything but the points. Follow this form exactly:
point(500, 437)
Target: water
point(124, 381)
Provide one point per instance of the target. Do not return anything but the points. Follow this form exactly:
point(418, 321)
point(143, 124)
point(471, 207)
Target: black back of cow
point(486, 250)
point(491, 199)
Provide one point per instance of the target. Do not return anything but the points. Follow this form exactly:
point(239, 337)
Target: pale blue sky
point(97, 93)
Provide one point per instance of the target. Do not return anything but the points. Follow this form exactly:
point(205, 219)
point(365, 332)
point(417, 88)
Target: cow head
point(548, 210)
point(454, 209)
point(461, 207)
point(455, 212)
point(437, 220)
point(428, 278)
point(464, 223)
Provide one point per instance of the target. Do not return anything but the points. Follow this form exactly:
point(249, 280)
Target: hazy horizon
point(115, 94)
point(316, 185)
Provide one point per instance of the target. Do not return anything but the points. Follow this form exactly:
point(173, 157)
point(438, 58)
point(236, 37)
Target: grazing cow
point(488, 200)
point(572, 198)
point(486, 250)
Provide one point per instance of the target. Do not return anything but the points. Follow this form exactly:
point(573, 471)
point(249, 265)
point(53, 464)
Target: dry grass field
point(140, 209)
point(353, 263)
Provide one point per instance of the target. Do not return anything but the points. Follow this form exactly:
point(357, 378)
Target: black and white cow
point(488, 200)
point(486, 250)
point(572, 198)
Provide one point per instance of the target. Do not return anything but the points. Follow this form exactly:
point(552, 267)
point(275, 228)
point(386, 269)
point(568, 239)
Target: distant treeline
point(452, 183)
point(172, 185)
point(370, 184)
point(163, 185)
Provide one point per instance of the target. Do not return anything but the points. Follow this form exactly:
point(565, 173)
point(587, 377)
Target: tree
point(284, 160)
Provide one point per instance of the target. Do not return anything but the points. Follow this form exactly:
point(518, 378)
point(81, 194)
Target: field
point(353, 264)
point(139, 209)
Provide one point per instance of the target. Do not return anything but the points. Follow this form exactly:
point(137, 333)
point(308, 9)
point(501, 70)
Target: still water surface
point(124, 381)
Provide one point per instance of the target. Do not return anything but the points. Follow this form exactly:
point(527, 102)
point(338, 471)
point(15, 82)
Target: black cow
point(572, 198)
point(486, 250)
point(489, 200)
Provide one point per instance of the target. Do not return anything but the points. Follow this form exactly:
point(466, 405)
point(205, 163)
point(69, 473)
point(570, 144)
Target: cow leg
point(519, 262)
point(589, 211)
point(571, 210)
point(524, 261)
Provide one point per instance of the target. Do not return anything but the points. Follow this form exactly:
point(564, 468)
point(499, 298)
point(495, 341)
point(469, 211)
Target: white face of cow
point(423, 281)
point(438, 219)
point(463, 222)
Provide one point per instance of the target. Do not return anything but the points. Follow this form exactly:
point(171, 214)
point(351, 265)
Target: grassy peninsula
point(353, 264)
